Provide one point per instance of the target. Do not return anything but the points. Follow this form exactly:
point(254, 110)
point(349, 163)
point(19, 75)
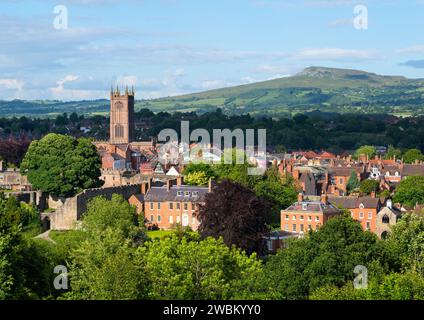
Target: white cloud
point(127, 81)
point(61, 93)
point(336, 54)
point(266, 68)
point(412, 49)
point(12, 84)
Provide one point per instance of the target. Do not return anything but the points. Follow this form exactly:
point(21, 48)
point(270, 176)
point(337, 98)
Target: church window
point(119, 131)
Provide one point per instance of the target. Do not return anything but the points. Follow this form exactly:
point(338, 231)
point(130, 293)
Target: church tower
point(121, 116)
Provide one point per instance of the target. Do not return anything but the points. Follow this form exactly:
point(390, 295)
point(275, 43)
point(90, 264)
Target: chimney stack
point(180, 181)
point(145, 186)
point(300, 197)
point(296, 174)
point(389, 203)
point(324, 198)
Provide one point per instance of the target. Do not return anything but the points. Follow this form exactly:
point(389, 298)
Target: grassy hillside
point(315, 88)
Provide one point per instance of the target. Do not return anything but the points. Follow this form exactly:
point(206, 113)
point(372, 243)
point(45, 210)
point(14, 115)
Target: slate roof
point(313, 206)
point(139, 197)
point(345, 171)
point(354, 202)
point(413, 170)
point(161, 194)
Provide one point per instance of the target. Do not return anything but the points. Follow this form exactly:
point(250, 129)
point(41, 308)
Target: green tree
point(368, 186)
point(61, 165)
point(6, 266)
point(325, 257)
point(353, 182)
point(410, 191)
point(192, 269)
point(394, 286)
point(106, 267)
point(14, 214)
point(237, 171)
point(198, 178)
point(367, 150)
point(116, 213)
point(411, 155)
point(392, 153)
point(406, 241)
point(280, 192)
point(200, 167)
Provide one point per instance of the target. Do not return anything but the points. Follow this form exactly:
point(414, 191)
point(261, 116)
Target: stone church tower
point(121, 117)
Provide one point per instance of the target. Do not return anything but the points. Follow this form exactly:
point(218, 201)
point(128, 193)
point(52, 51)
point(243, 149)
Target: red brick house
point(173, 204)
point(305, 215)
point(362, 209)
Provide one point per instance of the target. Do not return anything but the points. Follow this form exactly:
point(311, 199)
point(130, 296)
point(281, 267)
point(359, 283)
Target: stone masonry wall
point(67, 215)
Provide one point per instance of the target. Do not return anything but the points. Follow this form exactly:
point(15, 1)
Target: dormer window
point(180, 193)
point(195, 193)
point(304, 206)
point(361, 206)
point(187, 194)
point(397, 174)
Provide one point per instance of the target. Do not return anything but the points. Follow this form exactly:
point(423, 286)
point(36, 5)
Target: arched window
point(384, 235)
point(386, 219)
point(119, 106)
point(117, 117)
point(119, 131)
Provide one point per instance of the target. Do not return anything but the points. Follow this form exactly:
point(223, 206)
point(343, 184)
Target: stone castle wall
point(36, 198)
point(68, 214)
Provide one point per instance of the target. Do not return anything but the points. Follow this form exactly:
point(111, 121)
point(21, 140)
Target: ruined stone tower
point(121, 116)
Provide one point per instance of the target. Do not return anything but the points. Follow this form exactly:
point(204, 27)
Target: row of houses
point(330, 174)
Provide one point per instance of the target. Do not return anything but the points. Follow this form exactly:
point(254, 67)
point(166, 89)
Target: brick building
point(362, 209)
point(305, 215)
point(170, 204)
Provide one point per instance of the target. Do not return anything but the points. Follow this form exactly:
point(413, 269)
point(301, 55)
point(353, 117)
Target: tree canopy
point(325, 257)
point(370, 151)
point(353, 182)
point(411, 155)
point(410, 191)
point(236, 214)
point(199, 269)
point(62, 165)
point(368, 186)
point(115, 213)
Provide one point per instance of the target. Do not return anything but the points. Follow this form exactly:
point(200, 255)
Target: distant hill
point(316, 88)
point(48, 108)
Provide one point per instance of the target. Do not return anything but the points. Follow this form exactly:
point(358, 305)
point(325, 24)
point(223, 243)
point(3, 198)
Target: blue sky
point(171, 47)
